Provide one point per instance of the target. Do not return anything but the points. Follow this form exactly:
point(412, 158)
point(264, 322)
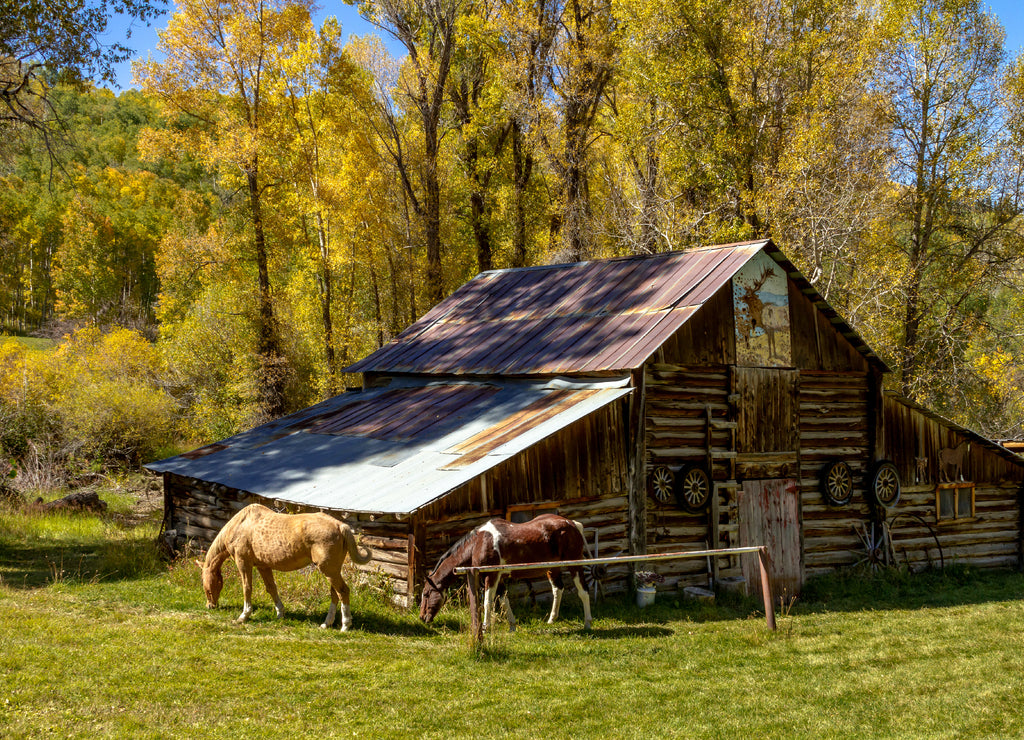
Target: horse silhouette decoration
point(547, 538)
point(259, 537)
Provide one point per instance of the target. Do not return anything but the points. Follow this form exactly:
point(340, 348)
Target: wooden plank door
point(769, 514)
point(767, 415)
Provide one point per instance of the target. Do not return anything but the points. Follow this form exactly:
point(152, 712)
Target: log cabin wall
point(688, 385)
point(829, 410)
point(839, 420)
point(197, 510)
point(834, 425)
point(991, 537)
point(684, 402)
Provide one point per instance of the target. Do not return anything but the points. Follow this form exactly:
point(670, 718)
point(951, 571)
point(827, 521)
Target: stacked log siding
point(834, 426)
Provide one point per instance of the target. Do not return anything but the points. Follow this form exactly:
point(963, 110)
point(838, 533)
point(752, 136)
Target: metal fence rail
point(472, 573)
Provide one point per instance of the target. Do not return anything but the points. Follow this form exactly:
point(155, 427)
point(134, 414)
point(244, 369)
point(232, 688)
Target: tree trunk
point(576, 226)
point(522, 168)
point(273, 368)
point(326, 300)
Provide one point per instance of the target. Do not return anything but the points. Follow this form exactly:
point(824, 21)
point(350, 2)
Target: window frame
point(959, 490)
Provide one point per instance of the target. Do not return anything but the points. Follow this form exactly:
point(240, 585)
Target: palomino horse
point(257, 536)
point(547, 538)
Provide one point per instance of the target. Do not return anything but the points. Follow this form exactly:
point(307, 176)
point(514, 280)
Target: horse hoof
point(323, 626)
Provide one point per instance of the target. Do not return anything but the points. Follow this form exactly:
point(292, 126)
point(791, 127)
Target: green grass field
point(98, 637)
point(34, 343)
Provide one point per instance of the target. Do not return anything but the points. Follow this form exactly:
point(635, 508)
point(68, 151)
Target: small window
point(954, 501)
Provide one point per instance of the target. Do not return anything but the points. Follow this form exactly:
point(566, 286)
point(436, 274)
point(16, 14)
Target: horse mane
point(217, 553)
point(455, 550)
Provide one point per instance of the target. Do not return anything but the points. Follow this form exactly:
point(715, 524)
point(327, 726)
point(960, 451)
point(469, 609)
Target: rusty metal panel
point(532, 416)
point(595, 316)
point(599, 316)
point(398, 448)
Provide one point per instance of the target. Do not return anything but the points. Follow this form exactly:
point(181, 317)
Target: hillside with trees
point(277, 200)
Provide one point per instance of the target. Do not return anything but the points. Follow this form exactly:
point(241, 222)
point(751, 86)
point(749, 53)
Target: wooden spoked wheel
point(837, 483)
point(661, 484)
point(693, 489)
point(885, 484)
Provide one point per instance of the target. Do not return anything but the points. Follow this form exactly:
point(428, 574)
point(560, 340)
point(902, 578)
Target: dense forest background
point(275, 202)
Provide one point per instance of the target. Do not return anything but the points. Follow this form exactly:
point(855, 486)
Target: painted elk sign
point(761, 303)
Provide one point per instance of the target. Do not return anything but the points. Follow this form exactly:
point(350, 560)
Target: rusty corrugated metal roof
point(585, 317)
point(393, 449)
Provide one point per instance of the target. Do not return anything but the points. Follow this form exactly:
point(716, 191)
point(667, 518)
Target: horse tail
point(359, 555)
point(586, 547)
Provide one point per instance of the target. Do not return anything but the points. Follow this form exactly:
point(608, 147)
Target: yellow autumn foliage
point(96, 396)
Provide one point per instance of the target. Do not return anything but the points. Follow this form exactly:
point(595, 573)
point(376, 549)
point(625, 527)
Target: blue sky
point(143, 40)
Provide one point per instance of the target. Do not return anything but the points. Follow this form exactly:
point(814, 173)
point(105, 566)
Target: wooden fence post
point(766, 587)
point(475, 628)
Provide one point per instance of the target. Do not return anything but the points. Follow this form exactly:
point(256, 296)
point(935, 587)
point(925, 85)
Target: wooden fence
point(472, 574)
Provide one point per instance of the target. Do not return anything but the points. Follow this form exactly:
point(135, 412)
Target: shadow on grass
point(38, 564)
point(645, 631)
point(956, 585)
point(371, 618)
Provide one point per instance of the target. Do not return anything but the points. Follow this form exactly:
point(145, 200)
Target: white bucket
point(645, 595)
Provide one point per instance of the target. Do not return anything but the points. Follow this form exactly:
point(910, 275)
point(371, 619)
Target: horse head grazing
point(213, 583)
point(431, 600)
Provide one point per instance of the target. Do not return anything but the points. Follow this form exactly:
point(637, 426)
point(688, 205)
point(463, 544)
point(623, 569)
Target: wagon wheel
point(661, 484)
point(885, 484)
point(876, 545)
point(837, 483)
point(931, 531)
point(693, 489)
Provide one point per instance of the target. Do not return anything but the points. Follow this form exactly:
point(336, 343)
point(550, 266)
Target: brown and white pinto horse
point(547, 538)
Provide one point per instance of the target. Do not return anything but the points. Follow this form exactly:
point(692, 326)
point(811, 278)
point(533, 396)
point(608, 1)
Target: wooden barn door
point(769, 513)
point(768, 463)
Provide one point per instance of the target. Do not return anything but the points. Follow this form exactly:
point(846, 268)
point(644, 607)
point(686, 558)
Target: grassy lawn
point(34, 343)
point(100, 638)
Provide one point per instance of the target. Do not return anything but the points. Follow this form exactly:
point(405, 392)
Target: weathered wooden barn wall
point(708, 338)
point(688, 416)
point(580, 472)
point(816, 343)
point(834, 425)
point(991, 538)
point(197, 510)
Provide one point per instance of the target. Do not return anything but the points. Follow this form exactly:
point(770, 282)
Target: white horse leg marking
point(508, 608)
point(346, 617)
point(556, 601)
point(585, 598)
point(489, 602)
point(245, 574)
point(329, 619)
